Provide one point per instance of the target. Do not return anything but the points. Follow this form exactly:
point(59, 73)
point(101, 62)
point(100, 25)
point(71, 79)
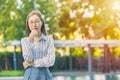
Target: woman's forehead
point(33, 17)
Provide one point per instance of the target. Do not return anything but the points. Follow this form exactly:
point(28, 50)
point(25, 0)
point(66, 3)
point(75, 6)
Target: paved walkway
point(76, 76)
point(85, 77)
point(11, 78)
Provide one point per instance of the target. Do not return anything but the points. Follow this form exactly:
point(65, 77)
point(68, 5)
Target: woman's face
point(34, 23)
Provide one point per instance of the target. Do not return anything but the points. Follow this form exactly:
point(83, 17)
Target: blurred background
point(70, 22)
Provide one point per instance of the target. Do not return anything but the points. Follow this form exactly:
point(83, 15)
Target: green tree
point(14, 13)
point(95, 19)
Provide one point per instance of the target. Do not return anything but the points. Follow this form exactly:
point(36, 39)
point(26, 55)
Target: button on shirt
point(41, 52)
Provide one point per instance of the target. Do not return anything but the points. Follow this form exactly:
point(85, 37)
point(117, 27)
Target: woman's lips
point(35, 28)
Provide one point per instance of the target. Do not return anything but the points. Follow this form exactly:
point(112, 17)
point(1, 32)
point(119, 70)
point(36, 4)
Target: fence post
point(70, 60)
point(89, 58)
point(14, 58)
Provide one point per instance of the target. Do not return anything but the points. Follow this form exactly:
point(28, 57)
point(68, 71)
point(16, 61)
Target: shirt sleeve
point(49, 59)
point(27, 50)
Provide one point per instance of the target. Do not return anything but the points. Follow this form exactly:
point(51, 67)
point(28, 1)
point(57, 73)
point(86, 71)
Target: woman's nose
point(34, 24)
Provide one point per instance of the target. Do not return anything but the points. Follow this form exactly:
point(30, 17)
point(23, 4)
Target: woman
point(37, 48)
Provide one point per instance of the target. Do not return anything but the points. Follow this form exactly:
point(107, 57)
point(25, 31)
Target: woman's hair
point(35, 12)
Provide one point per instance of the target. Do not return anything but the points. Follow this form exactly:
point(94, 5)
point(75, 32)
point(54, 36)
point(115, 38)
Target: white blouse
point(41, 52)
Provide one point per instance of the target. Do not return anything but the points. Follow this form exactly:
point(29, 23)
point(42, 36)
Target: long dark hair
point(35, 12)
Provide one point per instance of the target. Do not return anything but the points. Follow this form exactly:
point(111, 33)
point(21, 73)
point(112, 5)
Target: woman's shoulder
point(50, 37)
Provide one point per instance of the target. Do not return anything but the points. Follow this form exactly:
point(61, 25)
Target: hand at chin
point(32, 35)
point(35, 31)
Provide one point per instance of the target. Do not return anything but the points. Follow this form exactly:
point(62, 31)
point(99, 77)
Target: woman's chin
point(35, 29)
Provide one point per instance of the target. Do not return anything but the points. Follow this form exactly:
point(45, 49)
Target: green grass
point(11, 73)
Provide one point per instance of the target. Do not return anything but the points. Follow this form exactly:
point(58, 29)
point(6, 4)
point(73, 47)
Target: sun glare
point(116, 6)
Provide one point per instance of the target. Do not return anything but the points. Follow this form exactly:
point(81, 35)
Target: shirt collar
point(43, 36)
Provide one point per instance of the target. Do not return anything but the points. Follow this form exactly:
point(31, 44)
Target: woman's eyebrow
point(34, 20)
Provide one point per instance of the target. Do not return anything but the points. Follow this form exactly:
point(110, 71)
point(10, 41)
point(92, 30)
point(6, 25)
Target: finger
point(25, 65)
point(32, 35)
point(34, 32)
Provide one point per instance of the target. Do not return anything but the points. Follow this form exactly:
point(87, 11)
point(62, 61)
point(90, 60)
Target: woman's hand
point(32, 35)
point(27, 64)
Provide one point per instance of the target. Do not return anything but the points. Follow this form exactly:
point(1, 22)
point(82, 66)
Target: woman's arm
point(27, 64)
point(49, 59)
point(27, 50)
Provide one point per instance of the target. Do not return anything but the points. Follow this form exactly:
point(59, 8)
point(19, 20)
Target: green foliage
point(64, 17)
point(11, 73)
point(78, 52)
point(14, 13)
point(92, 19)
point(98, 53)
point(48, 9)
point(2, 53)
